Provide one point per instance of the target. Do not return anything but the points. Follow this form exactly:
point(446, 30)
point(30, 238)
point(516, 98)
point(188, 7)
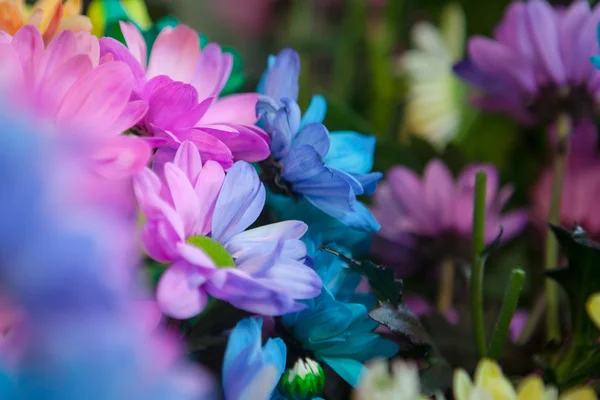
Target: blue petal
point(360, 219)
point(263, 79)
point(350, 370)
point(351, 152)
point(246, 333)
point(302, 163)
point(282, 79)
point(381, 348)
point(316, 111)
point(315, 135)
point(275, 352)
point(369, 181)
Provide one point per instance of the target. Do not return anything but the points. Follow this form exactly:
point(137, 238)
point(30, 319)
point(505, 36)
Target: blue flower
point(249, 371)
point(327, 170)
point(83, 337)
point(335, 326)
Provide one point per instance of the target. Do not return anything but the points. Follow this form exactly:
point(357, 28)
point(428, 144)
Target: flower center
point(213, 249)
point(575, 101)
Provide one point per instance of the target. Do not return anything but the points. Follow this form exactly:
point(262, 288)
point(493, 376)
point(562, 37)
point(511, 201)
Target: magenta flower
point(433, 216)
point(537, 66)
point(196, 221)
point(181, 85)
point(69, 85)
point(581, 188)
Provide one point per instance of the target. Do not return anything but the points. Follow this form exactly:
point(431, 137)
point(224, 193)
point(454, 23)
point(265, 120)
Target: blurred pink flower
point(581, 187)
point(71, 87)
point(181, 85)
point(247, 17)
point(433, 216)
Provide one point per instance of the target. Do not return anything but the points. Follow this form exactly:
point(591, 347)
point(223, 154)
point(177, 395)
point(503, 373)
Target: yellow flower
point(101, 11)
point(49, 16)
point(491, 384)
point(435, 98)
point(593, 308)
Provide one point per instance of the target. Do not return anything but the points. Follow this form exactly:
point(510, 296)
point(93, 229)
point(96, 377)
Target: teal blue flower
point(335, 328)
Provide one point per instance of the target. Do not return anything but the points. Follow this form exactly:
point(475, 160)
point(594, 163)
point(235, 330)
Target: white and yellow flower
point(436, 97)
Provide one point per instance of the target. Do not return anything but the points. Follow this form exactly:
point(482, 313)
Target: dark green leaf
point(580, 280)
point(437, 375)
point(381, 279)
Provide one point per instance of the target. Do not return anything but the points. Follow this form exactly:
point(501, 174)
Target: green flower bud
point(305, 380)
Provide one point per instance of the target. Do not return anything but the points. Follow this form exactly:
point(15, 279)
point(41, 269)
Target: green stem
point(559, 161)
point(535, 316)
point(509, 306)
point(446, 286)
point(478, 244)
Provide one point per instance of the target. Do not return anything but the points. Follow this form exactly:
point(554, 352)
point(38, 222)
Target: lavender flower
point(433, 216)
point(537, 67)
point(197, 220)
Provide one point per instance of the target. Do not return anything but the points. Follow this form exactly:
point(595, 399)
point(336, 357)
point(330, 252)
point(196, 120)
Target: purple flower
point(433, 216)
point(537, 66)
point(196, 221)
point(181, 85)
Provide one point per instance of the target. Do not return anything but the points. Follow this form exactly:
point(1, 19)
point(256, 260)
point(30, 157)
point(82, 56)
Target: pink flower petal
point(175, 53)
point(187, 158)
point(122, 156)
point(135, 42)
point(207, 188)
point(184, 197)
point(100, 98)
point(209, 146)
point(88, 44)
point(132, 114)
point(244, 142)
point(236, 109)
point(212, 71)
point(175, 295)
point(29, 45)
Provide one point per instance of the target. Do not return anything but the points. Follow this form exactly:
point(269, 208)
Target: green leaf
point(381, 279)
point(579, 280)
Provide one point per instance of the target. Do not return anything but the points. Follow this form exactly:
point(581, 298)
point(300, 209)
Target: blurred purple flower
point(537, 66)
point(62, 266)
point(433, 216)
point(197, 221)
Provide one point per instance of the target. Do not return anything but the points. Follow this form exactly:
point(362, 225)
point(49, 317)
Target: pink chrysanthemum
point(71, 87)
point(181, 85)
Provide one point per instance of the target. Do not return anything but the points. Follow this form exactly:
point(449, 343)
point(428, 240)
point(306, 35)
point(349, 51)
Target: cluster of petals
point(328, 170)
point(69, 85)
point(182, 200)
point(537, 51)
point(181, 84)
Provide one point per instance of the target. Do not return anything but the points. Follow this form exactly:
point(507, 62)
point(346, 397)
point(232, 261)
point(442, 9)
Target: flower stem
point(559, 161)
point(446, 287)
point(478, 244)
point(509, 306)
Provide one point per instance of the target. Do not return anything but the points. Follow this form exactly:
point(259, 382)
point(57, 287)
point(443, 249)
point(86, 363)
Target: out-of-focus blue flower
point(335, 327)
point(328, 170)
point(82, 337)
point(249, 370)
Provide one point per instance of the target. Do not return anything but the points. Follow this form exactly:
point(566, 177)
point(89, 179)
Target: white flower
point(435, 98)
point(378, 384)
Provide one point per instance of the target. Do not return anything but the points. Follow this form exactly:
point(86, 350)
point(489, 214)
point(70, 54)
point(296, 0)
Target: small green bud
point(213, 249)
point(304, 381)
